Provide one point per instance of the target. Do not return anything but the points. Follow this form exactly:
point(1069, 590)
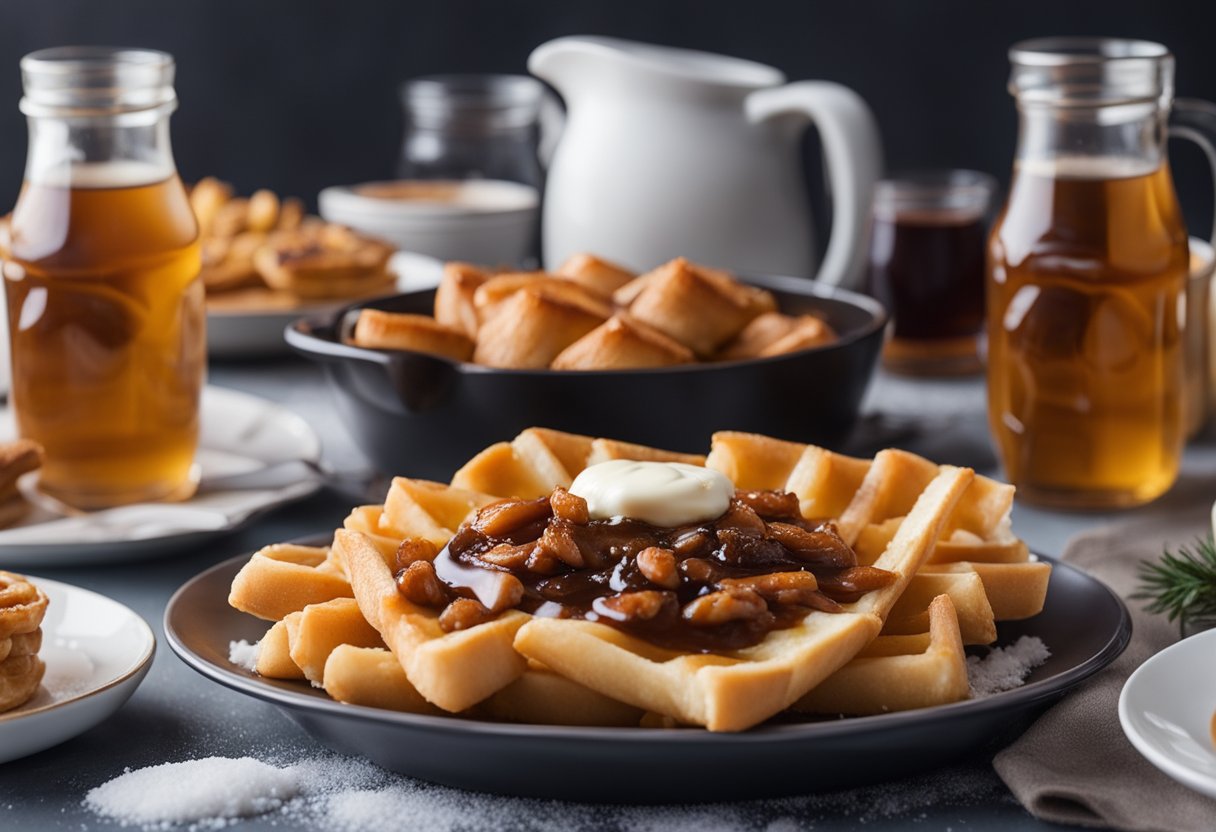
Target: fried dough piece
point(735, 692)
point(19, 680)
point(22, 605)
point(207, 197)
point(262, 214)
point(532, 327)
point(594, 273)
point(492, 296)
point(808, 331)
point(622, 343)
point(699, 307)
point(380, 330)
point(17, 459)
point(454, 306)
point(773, 333)
point(324, 262)
point(453, 670)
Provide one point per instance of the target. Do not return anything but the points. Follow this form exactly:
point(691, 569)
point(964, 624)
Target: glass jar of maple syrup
point(105, 306)
point(1087, 271)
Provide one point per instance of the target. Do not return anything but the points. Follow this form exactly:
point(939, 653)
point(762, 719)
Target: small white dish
point(1166, 710)
point(241, 436)
point(258, 333)
point(96, 653)
point(480, 221)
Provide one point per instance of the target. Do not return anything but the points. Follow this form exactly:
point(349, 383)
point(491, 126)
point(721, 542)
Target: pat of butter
point(659, 493)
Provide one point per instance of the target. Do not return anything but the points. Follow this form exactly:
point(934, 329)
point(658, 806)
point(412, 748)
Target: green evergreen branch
point(1182, 585)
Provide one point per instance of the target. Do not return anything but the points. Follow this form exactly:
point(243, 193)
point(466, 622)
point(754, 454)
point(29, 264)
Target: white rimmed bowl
point(96, 652)
point(1166, 710)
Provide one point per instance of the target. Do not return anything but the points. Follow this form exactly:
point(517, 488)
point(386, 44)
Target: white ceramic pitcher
point(669, 152)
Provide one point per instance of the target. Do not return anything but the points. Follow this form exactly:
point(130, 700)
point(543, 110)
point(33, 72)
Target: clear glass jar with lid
point(105, 308)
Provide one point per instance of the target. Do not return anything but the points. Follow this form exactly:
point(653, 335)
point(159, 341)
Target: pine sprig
point(1182, 585)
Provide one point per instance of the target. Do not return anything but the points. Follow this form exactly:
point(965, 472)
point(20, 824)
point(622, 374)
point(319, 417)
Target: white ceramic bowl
point(482, 221)
point(1166, 709)
point(96, 652)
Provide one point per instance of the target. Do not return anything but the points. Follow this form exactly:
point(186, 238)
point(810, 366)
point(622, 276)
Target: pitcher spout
point(570, 64)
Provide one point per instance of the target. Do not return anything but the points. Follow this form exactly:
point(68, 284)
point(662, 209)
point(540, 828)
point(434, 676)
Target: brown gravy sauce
point(741, 544)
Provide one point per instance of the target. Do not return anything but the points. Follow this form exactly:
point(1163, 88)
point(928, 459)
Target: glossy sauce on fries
point(707, 587)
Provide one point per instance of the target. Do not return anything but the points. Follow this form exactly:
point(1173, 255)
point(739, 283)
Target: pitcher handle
point(1194, 119)
point(853, 150)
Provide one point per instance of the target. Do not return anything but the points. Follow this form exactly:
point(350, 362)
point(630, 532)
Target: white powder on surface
point(1005, 668)
point(243, 654)
point(205, 793)
point(342, 794)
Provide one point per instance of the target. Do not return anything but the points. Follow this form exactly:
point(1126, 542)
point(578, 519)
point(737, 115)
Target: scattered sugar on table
point(342, 794)
point(1005, 668)
point(209, 791)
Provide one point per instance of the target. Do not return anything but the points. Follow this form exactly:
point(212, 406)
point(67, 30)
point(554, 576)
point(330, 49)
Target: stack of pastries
point(22, 607)
point(265, 251)
point(594, 315)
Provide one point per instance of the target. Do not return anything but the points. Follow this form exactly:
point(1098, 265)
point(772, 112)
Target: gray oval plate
point(1083, 624)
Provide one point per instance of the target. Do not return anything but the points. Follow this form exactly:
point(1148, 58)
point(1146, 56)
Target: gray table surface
point(176, 714)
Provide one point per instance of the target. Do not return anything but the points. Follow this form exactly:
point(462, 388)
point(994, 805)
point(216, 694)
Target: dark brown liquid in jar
point(107, 329)
point(927, 268)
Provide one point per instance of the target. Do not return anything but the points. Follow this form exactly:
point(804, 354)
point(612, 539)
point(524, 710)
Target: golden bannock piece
point(322, 262)
point(595, 273)
point(697, 306)
point(380, 330)
point(531, 327)
point(454, 306)
point(622, 343)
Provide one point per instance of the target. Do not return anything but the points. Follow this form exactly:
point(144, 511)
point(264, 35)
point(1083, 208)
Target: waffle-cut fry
point(432, 510)
point(373, 677)
point(541, 697)
point(274, 654)
point(961, 545)
point(285, 578)
point(898, 673)
point(732, 693)
point(911, 613)
point(452, 670)
point(1015, 590)
point(314, 632)
point(539, 460)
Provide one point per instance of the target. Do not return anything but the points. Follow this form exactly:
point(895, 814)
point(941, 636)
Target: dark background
point(296, 95)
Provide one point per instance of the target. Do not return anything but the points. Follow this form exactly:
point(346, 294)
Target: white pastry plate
point(258, 333)
point(1167, 708)
point(96, 653)
point(253, 456)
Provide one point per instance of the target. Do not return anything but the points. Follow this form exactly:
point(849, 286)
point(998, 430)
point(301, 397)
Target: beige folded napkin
point(1075, 765)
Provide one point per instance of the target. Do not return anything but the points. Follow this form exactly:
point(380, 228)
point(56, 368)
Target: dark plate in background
point(1083, 624)
point(429, 415)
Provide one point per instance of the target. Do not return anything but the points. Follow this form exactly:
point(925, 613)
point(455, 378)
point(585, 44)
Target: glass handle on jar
point(1194, 119)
